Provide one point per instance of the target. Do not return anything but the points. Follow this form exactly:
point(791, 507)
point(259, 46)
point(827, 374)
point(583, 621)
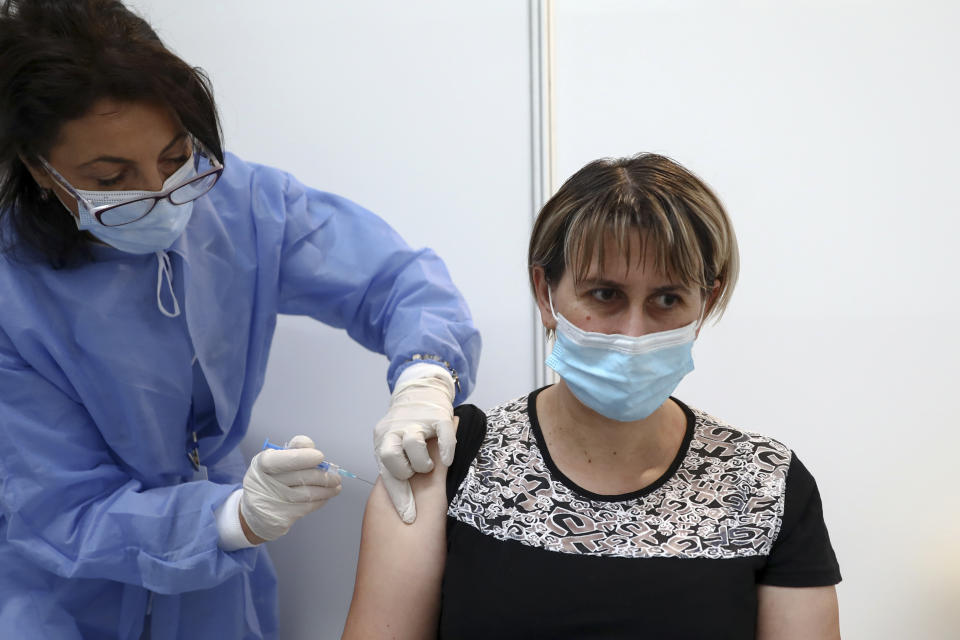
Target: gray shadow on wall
point(322, 384)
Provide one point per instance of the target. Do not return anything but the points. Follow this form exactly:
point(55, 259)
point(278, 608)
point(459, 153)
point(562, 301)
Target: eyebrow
point(599, 282)
point(613, 284)
point(117, 160)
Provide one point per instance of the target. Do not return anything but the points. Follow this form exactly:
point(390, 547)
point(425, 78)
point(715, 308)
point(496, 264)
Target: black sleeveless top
point(532, 555)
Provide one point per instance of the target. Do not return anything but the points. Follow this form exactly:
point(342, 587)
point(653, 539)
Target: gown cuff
point(228, 524)
point(425, 369)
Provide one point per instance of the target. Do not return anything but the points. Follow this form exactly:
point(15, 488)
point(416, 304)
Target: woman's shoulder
point(275, 197)
point(724, 440)
point(474, 427)
point(760, 459)
point(246, 177)
point(510, 411)
point(241, 178)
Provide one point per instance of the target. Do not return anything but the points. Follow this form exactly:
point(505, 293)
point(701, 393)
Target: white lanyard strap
point(165, 272)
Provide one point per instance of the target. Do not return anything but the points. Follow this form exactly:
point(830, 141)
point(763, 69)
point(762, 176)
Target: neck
point(604, 455)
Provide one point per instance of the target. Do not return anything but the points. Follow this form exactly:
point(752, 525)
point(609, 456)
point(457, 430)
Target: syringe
point(325, 465)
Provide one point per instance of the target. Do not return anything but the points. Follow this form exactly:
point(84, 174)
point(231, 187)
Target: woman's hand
point(421, 407)
point(281, 486)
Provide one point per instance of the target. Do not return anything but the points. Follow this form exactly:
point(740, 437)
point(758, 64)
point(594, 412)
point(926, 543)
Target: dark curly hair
point(57, 58)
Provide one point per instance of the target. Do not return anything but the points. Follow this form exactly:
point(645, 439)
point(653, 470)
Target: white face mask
point(154, 232)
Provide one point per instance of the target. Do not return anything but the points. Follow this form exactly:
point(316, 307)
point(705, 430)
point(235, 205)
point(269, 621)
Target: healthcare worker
point(141, 275)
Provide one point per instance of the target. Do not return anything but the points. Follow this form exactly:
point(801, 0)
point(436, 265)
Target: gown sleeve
point(802, 555)
point(70, 507)
point(346, 267)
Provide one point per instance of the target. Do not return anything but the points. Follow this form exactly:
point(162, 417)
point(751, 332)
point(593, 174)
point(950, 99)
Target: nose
point(636, 322)
point(155, 180)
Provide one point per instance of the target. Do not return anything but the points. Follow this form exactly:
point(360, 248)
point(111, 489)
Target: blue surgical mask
point(621, 377)
point(154, 232)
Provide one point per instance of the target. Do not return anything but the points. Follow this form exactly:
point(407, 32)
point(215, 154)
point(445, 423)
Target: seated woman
point(601, 507)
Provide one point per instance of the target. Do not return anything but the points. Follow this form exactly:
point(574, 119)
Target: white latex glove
point(283, 485)
point(421, 407)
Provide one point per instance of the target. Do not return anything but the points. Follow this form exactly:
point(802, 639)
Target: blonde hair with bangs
point(680, 218)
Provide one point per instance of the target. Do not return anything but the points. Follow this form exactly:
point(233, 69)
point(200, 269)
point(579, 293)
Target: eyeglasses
point(127, 211)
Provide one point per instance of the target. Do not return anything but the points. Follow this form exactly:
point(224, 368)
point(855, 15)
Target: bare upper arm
point(797, 613)
point(400, 568)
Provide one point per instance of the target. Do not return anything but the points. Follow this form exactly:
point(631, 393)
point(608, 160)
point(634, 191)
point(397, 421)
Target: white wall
point(830, 131)
point(420, 111)
point(828, 128)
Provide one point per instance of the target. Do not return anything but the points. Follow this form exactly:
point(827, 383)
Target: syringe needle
point(326, 466)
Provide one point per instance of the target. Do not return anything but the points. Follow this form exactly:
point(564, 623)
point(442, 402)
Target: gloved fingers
point(447, 440)
point(300, 442)
point(310, 477)
point(304, 508)
point(310, 507)
point(270, 507)
point(401, 495)
point(391, 456)
point(279, 497)
point(415, 446)
point(310, 493)
point(274, 461)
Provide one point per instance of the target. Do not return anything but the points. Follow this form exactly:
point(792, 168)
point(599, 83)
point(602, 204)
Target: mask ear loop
point(550, 300)
point(165, 272)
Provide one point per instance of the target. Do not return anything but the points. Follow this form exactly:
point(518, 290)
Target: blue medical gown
point(99, 505)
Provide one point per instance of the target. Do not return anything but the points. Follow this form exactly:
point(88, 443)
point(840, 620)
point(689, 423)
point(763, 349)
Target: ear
point(40, 176)
point(542, 293)
point(712, 298)
point(44, 181)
